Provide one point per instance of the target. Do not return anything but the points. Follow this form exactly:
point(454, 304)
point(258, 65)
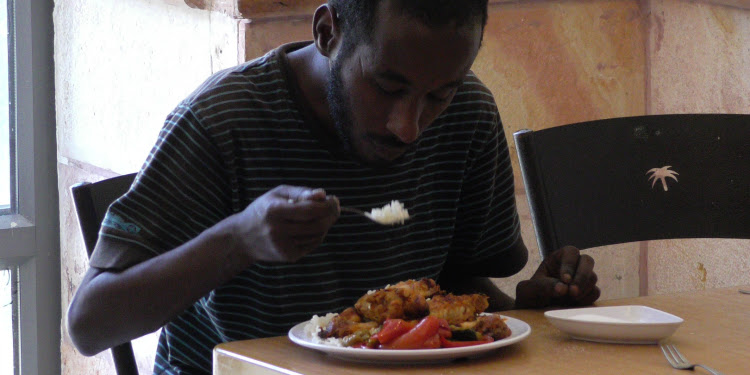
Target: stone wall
point(700, 68)
point(121, 66)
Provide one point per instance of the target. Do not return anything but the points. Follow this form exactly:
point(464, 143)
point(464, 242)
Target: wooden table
point(716, 332)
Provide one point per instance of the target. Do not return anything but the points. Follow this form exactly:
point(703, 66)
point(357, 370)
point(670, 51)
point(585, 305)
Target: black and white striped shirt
point(241, 134)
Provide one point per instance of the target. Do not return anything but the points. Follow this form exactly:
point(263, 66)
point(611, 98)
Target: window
point(29, 224)
point(5, 157)
point(8, 344)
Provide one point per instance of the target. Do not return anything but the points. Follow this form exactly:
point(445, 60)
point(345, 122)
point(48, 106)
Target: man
point(232, 229)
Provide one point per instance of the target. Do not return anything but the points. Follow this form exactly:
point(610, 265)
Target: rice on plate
point(317, 324)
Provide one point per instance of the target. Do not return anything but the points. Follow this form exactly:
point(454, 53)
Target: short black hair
point(357, 17)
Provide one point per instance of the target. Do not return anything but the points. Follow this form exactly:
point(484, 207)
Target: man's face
point(385, 93)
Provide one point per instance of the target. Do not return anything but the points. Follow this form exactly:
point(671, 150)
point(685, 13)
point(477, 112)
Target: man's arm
point(475, 278)
point(564, 278)
point(111, 307)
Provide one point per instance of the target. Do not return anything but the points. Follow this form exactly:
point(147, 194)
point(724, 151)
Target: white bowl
point(616, 324)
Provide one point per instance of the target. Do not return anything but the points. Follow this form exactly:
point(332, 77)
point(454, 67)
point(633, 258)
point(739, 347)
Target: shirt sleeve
point(181, 190)
point(487, 223)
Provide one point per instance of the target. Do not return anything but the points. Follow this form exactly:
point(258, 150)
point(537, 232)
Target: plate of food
point(633, 324)
point(410, 322)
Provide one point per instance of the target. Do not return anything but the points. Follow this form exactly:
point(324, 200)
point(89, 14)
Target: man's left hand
point(565, 278)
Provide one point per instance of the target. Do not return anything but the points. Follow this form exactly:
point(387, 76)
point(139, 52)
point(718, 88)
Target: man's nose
point(403, 121)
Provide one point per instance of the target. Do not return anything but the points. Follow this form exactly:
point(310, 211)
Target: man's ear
point(326, 31)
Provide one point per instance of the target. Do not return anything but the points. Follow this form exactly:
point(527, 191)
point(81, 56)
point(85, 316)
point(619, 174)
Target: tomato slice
point(445, 329)
point(432, 343)
point(392, 329)
point(445, 343)
point(417, 336)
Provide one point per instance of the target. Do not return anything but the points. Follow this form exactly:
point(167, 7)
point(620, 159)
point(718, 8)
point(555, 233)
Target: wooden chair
point(91, 201)
point(638, 178)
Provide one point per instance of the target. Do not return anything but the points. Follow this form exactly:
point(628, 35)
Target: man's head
point(394, 67)
point(357, 18)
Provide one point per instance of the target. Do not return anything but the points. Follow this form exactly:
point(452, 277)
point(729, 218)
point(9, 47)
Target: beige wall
point(121, 66)
point(702, 68)
point(553, 63)
point(557, 62)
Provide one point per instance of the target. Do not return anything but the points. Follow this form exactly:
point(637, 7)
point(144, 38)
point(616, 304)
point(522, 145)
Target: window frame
point(29, 235)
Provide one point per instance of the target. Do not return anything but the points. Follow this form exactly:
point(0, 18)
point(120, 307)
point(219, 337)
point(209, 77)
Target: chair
point(91, 201)
point(638, 178)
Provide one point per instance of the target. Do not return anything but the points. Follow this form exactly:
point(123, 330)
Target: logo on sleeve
point(115, 221)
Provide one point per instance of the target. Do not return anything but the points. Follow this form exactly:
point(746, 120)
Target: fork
point(678, 361)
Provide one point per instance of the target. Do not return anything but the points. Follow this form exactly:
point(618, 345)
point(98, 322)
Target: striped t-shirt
point(243, 133)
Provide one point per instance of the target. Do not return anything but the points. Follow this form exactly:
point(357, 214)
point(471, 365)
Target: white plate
point(616, 324)
point(519, 331)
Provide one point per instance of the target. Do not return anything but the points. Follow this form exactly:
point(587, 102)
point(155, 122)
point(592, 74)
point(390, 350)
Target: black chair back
point(638, 178)
point(91, 201)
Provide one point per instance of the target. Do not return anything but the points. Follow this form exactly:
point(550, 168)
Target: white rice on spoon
point(391, 213)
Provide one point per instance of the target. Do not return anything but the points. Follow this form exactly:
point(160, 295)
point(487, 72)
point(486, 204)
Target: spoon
point(393, 213)
point(744, 291)
point(360, 213)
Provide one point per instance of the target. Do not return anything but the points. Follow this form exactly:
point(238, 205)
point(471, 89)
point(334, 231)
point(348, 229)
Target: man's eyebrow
point(398, 77)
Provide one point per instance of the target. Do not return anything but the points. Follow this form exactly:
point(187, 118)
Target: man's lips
point(388, 149)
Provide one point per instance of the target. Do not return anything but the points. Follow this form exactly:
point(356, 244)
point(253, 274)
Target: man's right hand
point(285, 223)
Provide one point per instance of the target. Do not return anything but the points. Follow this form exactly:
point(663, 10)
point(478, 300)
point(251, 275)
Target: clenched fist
point(285, 223)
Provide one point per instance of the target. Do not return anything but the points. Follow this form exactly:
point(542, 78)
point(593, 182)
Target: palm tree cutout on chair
point(661, 174)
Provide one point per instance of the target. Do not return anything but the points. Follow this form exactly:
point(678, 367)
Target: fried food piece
point(488, 325)
point(457, 309)
point(425, 287)
point(492, 325)
point(405, 300)
point(347, 323)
